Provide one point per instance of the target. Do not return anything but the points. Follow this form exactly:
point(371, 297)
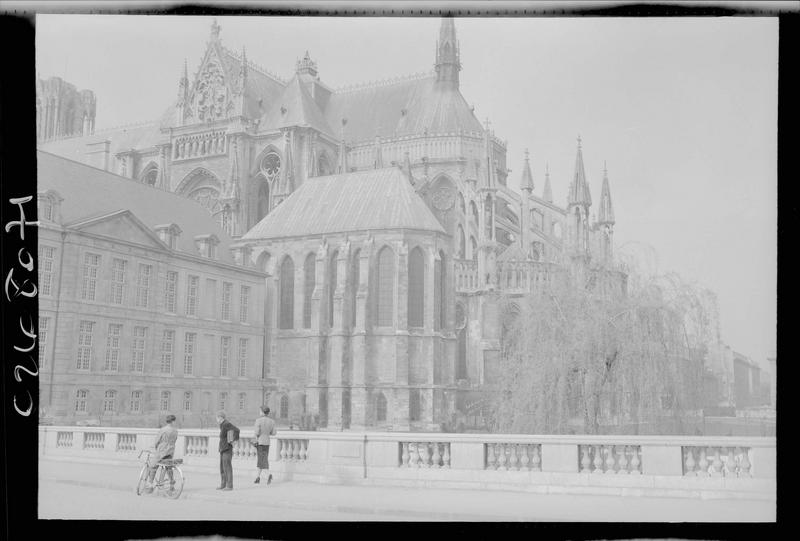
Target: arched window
point(474, 247)
point(557, 229)
point(414, 405)
point(439, 309)
point(150, 175)
point(110, 402)
point(332, 279)
point(355, 280)
point(416, 288)
point(380, 408)
point(283, 412)
point(270, 166)
point(384, 294)
point(262, 202)
point(461, 352)
point(287, 294)
point(309, 280)
point(324, 165)
point(474, 210)
point(462, 245)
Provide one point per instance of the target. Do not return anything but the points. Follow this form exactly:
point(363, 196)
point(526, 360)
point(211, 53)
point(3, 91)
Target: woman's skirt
point(262, 457)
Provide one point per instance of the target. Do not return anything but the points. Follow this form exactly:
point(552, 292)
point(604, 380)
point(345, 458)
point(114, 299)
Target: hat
point(170, 418)
point(221, 414)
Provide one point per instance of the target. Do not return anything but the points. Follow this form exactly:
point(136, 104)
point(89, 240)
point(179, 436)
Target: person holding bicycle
point(164, 448)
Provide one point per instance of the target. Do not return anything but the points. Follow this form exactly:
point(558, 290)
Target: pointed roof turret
point(579, 189)
point(448, 59)
point(306, 66)
point(296, 107)
point(606, 212)
point(547, 194)
point(527, 177)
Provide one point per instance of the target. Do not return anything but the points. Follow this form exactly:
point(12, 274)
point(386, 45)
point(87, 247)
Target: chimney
point(97, 154)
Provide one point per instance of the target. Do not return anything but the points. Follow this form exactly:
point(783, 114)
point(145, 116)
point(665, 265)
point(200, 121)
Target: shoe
point(269, 479)
point(221, 487)
point(148, 490)
point(258, 480)
point(228, 488)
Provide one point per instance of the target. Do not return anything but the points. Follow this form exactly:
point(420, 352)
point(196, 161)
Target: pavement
point(75, 490)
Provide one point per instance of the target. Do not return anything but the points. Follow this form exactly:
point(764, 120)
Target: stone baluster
point(716, 464)
point(283, 452)
point(436, 456)
point(502, 459)
point(404, 456)
point(536, 459)
point(413, 457)
point(585, 462)
point(689, 464)
point(303, 450)
point(744, 463)
point(610, 460)
point(524, 459)
point(422, 454)
point(623, 460)
point(635, 463)
point(490, 458)
point(598, 460)
point(730, 463)
point(703, 463)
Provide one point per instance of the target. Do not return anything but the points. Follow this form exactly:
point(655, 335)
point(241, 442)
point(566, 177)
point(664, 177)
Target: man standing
point(265, 427)
point(165, 448)
point(226, 438)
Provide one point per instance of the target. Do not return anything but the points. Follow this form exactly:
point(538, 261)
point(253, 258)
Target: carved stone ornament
point(211, 95)
point(443, 198)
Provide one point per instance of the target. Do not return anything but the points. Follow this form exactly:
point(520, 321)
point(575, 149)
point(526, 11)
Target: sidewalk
point(420, 504)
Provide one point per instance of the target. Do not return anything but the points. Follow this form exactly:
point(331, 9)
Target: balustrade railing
point(466, 272)
point(424, 454)
point(64, 439)
point(196, 446)
point(94, 440)
point(716, 461)
point(292, 449)
point(126, 442)
point(199, 145)
point(513, 456)
point(243, 448)
point(610, 459)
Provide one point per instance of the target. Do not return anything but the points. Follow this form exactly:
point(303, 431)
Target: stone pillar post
point(358, 345)
point(336, 341)
point(400, 408)
point(316, 375)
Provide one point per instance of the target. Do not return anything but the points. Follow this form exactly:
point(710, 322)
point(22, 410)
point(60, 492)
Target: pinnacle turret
point(606, 212)
point(547, 195)
point(579, 190)
point(448, 59)
point(527, 178)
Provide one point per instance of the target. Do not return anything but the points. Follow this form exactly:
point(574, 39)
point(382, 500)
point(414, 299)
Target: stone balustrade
point(199, 145)
point(466, 273)
point(630, 465)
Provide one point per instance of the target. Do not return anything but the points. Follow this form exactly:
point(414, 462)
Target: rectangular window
point(211, 296)
point(187, 401)
point(46, 256)
point(112, 347)
point(223, 400)
point(189, 345)
point(91, 265)
point(191, 295)
point(166, 398)
point(242, 357)
point(171, 293)
point(167, 351)
point(119, 268)
point(44, 323)
point(244, 295)
point(143, 285)
point(110, 402)
point(242, 401)
point(80, 400)
point(138, 349)
point(224, 354)
point(85, 330)
point(136, 401)
point(227, 293)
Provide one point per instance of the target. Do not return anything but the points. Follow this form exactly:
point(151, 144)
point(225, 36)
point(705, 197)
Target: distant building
point(144, 308)
point(62, 110)
point(747, 382)
point(773, 380)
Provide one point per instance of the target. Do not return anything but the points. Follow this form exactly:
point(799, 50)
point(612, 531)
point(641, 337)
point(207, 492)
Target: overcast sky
point(683, 110)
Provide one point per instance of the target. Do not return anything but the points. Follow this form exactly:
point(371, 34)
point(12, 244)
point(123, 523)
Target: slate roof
point(295, 107)
point(139, 137)
point(377, 109)
point(259, 85)
point(368, 200)
point(90, 192)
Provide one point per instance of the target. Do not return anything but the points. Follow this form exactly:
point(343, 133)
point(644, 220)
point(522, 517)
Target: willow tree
point(579, 358)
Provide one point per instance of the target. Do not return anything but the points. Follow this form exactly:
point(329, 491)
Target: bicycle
point(168, 478)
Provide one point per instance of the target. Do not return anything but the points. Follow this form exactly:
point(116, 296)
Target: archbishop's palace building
point(347, 254)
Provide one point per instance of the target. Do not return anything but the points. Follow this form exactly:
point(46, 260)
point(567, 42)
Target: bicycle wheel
point(177, 476)
point(142, 480)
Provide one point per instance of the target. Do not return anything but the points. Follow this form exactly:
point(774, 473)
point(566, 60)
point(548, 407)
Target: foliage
point(581, 359)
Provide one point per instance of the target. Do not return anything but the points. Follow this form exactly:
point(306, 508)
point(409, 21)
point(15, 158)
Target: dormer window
point(49, 206)
point(207, 245)
point(169, 233)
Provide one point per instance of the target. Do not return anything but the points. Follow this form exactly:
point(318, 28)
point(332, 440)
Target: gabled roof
point(403, 107)
point(368, 200)
point(89, 193)
point(259, 86)
point(295, 107)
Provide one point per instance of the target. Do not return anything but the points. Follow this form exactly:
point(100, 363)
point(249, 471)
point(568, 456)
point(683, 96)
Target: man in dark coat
point(226, 429)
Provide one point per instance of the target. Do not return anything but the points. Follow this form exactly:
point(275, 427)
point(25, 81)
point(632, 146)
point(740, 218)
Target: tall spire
point(448, 59)
point(527, 177)
point(214, 31)
point(579, 189)
point(606, 212)
point(547, 195)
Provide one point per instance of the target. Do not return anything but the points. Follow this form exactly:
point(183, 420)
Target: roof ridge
point(257, 67)
point(385, 82)
point(129, 125)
